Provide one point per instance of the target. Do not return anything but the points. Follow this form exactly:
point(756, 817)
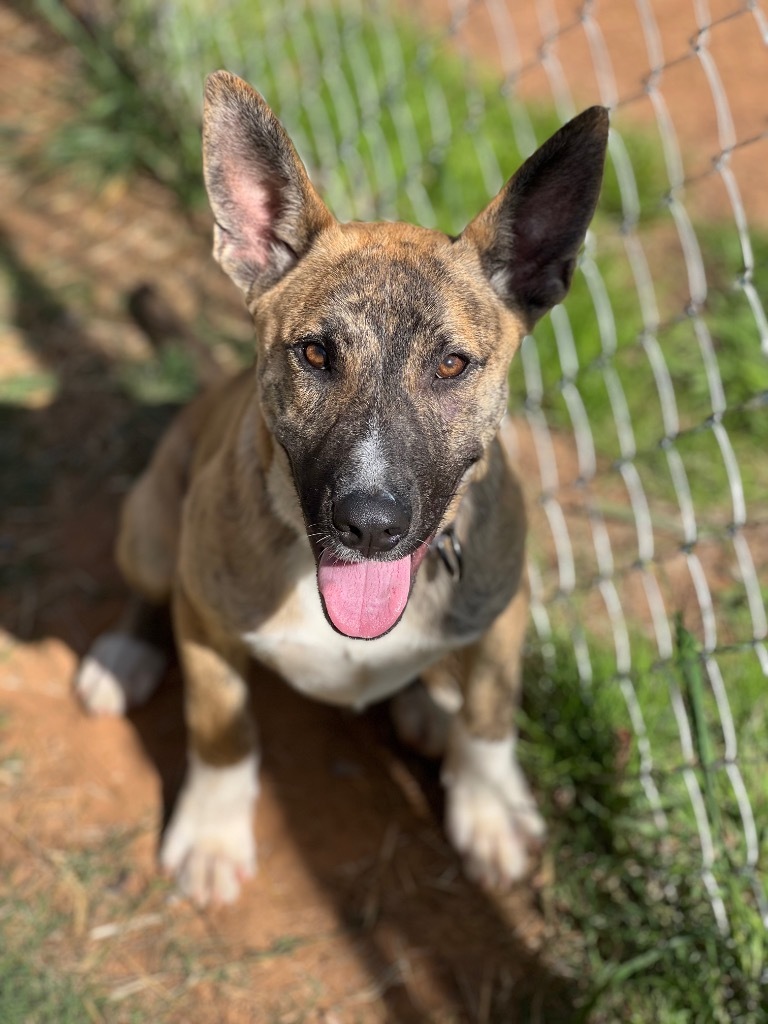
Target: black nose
point(370, 523)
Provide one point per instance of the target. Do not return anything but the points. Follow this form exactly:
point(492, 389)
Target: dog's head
point(384, 348)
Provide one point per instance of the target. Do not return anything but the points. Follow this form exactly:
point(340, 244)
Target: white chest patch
point(299, 644)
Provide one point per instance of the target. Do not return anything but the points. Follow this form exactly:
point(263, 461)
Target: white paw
point(119, 672)
point(209, 844)
point(491, 833)
point(491, 817)
point(420, 721)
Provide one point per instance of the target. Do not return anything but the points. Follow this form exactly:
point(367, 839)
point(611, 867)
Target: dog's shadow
point(363, 814)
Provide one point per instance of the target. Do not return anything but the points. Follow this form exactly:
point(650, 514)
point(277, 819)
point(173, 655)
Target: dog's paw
point(420, 721)
point(491, 817)
point(119, 672)
point(209, 846)
point(210, 865)
point(493, 832)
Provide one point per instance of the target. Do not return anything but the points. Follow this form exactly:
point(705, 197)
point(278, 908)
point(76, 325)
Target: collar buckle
point(448, 547)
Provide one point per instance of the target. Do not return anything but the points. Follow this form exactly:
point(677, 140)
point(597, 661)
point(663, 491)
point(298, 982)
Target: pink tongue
point(364, 599)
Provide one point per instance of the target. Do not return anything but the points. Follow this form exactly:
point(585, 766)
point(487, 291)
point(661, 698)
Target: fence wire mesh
point(640, 408)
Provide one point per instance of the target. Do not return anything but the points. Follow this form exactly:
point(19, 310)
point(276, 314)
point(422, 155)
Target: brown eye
point(316, 355)
point(452, 366)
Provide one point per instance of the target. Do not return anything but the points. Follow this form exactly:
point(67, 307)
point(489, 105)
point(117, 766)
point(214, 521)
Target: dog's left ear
point(529, 236)
point(266, 209)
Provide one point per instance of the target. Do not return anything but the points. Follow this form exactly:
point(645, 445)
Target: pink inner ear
point(250, 218)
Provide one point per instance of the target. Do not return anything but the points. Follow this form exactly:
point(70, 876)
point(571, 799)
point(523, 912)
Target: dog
point(345, 511)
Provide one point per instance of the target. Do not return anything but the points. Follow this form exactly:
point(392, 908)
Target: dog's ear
point(267, 212)
point(529, 236)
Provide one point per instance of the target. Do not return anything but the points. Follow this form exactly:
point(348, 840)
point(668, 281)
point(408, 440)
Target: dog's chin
point(365, 599)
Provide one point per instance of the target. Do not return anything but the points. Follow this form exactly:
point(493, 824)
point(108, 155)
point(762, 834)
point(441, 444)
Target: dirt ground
point(359, 912)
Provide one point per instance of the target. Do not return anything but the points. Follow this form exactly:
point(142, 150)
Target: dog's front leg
point(491, 817)
point(209, 843)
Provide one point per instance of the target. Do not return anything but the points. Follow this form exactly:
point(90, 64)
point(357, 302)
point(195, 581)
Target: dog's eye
point(453, 365)
point(316, 355)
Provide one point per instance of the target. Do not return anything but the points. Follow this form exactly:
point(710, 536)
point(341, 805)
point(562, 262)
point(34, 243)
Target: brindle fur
point(235, 508)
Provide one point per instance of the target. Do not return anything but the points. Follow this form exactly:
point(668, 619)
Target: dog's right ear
point(266, 210)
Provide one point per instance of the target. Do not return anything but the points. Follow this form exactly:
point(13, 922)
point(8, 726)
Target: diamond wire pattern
point(554, 36)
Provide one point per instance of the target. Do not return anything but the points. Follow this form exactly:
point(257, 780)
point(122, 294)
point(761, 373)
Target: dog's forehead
point(389, 278)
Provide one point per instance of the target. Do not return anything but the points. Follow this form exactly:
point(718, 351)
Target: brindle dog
point(345, 512)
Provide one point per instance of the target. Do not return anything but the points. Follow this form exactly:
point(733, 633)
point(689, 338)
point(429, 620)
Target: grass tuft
point(34, 990)
point(168, 378)
point(634, 916)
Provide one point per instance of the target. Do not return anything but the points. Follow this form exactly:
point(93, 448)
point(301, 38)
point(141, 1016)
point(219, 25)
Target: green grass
point(169, 378)
point(33, 990)
point(635, 921)
point(123, 128)
point(30, 992)
point(26, 387)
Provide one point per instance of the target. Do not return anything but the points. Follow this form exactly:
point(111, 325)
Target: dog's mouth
point(366, 599)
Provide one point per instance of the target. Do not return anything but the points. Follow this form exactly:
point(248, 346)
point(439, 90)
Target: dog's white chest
point(299, 644)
